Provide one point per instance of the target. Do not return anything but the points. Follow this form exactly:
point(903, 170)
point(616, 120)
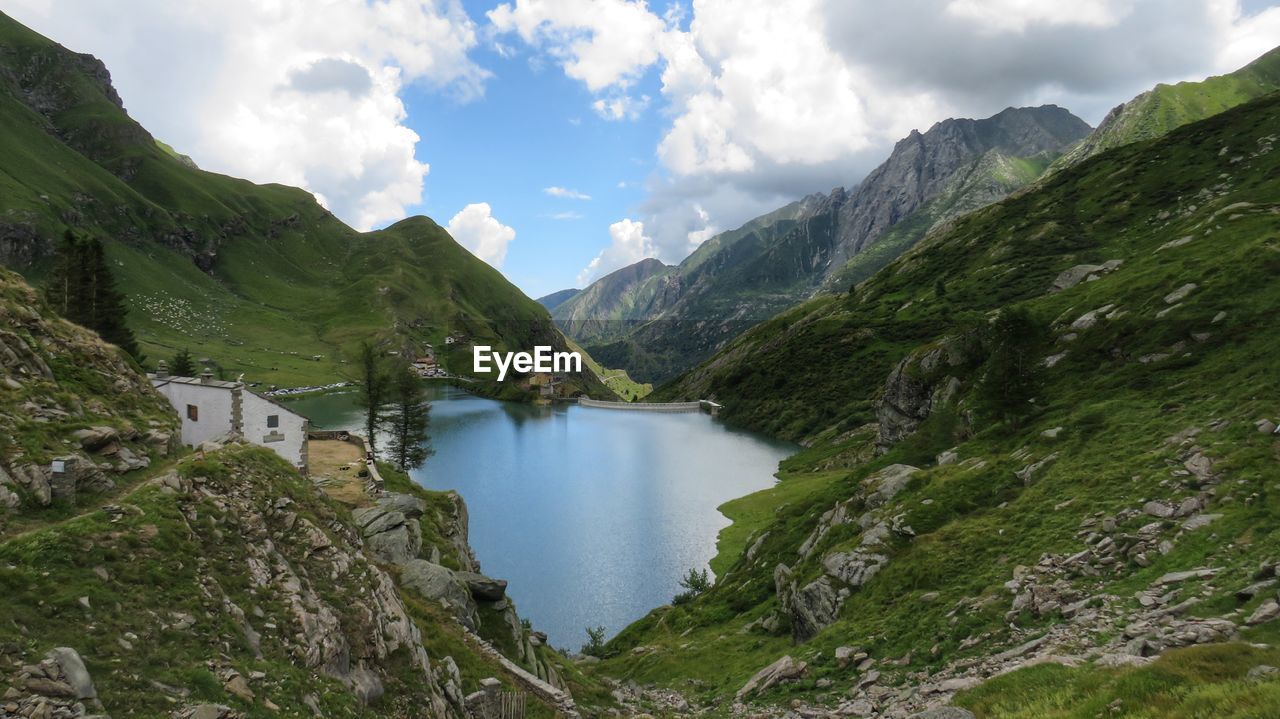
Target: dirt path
point(32, 523)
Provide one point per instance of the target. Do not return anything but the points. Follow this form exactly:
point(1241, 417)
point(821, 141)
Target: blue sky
point(533, 129)
point(742, 105)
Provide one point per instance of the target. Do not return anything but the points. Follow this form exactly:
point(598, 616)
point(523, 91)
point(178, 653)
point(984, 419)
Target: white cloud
point(475, 228)
point(291, 91)
point(565, 215)
point(1017, 15)
point(603, 43)
point(565, 193)
point(1248, 36)
point(628, 244)
point(620, 107)
point(769, 100)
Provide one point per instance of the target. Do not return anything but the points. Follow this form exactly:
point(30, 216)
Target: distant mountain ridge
point(657, 322)
point(1166, 107)
point(555, 299)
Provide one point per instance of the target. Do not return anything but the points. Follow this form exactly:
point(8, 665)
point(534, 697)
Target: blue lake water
point(592, 515)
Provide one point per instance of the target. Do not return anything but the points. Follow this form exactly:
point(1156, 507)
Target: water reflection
point(592, 514)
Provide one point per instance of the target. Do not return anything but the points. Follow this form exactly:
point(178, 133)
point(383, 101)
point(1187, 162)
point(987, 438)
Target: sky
point(559, 140)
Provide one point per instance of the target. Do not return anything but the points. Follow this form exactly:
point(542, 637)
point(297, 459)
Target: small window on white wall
point(193, 413)
point(273, 420)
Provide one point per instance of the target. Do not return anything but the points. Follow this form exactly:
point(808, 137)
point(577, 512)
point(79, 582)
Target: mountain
point(259, 278)
point(143, 579)
point(1040, 465)
point(555, 299)
point(658, 323)
point(1166, 107)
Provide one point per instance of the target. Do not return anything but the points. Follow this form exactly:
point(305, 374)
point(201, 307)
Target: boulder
point(1180, 294)
point(1176, 577)
point(1029, 472)
point(1265, 426)
point(786, 669)
point(1265, 612)
point(366, 686)
point(885, 484)
point(848, 655)
point(205, 711)
point(483, 588)
point(1082, 273)
point(918, 385)
point(34, 479)
point(441, 584)
point(390, 535)
point(96, 438)
point(811, 608)
point(854, 568)
point(73, 672)
point(1199, 521)
point(407, 504)
point(1262, 672)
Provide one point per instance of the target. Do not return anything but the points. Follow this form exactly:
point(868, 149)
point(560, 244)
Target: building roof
point(219, 384)
point(161, 381)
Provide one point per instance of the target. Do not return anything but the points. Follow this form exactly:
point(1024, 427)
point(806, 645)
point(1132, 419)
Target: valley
point(995, 436)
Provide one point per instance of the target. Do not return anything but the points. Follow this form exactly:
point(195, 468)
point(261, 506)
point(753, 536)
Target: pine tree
point(182, 364)
point(373, 392)
point(1011, 376)
point(82, 289)
point(408, 420)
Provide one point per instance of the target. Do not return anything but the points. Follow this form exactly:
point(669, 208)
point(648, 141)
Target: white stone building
point(213, 409)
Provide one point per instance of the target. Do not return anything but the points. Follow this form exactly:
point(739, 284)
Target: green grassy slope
point(259, 278)
point(1166, 107)
point(173, 575)
point(1168, 379)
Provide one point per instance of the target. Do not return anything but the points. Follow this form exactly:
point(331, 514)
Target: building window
point(273, 420)
point(193, 413)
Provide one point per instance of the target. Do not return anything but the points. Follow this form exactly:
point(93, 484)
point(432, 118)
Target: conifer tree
point(408, 419)
point(182, 365)
point(82, 289)
point(373, 392)
point(1011, 377)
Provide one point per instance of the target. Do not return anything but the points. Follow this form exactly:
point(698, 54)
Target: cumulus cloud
point(291, 91)
point(475, 228)
point(332, 74)
point(620, 107)
point(565, 193)
point(603, 43)
point(769, 100)
point(628, 244)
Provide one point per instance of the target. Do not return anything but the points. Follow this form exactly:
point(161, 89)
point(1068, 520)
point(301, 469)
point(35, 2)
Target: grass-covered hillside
point(1126, 508)
point(1165, 107)
point(258, 278)
point(141, 579)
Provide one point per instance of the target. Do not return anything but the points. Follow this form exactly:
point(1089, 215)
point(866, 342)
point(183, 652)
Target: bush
point(595, 642)
point(694, 583)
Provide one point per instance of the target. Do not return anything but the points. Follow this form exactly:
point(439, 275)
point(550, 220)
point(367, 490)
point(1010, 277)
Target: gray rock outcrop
point(916, 387)
point(786, 669)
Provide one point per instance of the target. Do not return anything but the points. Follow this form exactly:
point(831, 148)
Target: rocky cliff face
point(678, 317)
point(923, 165)
point(221, 584)
point(69, 401)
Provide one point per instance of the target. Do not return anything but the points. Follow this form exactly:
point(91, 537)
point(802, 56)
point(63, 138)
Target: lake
point(592, 515)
